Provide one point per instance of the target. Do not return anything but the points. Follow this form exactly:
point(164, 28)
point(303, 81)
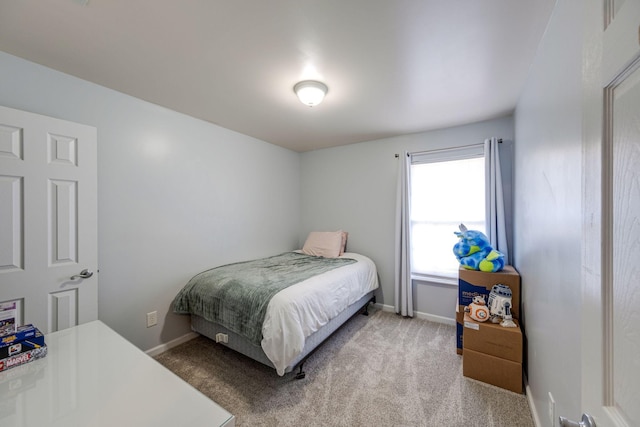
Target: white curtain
point(403, 288)
point(496, 225)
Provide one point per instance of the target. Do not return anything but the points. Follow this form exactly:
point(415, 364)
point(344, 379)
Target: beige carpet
point(380, 370)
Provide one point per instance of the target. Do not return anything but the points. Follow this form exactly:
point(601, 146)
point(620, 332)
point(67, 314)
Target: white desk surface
point(93, 377)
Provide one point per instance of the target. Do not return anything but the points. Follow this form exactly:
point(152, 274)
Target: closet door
point(48, 219)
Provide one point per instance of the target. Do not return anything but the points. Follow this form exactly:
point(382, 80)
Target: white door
point(611, 298)
point(48, 219)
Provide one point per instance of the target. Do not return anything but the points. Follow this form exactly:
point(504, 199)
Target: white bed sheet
point(300, 310)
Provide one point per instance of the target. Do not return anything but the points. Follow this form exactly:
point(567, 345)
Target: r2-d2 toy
point(500, 306)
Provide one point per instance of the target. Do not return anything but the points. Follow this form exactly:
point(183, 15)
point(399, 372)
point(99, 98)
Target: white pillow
point(323, 243)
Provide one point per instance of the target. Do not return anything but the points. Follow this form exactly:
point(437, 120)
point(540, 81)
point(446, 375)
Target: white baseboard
point(532, 405)
point(173, 343)
point(419, 315)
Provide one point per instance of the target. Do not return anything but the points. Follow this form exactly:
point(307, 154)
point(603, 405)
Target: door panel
point(11, 228)
point(48, 219)
point(611, 294)
point(63, 221)
point(622, 317)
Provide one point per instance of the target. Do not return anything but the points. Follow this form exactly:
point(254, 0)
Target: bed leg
point(366, 306)
point(301, 374)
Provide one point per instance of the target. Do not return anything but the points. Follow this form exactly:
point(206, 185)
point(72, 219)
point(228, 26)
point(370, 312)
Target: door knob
point(587, 421)
point(84, 274)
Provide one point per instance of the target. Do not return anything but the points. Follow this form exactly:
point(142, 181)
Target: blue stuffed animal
point(474, 252)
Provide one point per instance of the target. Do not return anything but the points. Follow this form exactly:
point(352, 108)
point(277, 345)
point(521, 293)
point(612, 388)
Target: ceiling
point(392, 66)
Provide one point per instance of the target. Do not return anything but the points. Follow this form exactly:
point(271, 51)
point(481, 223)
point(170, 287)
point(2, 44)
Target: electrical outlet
point(152, 319)
point(552, 410)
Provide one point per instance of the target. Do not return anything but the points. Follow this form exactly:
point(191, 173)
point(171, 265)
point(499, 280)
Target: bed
point(290, 303)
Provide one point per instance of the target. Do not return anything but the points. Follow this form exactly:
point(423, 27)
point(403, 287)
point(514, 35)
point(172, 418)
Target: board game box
point(17, 347)
point(22, 358)
point(22, 333)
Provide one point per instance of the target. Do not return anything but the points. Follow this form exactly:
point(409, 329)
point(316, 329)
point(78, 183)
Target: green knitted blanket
point(236, 296)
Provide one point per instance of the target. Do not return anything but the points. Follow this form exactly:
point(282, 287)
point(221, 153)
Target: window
point(447, 189)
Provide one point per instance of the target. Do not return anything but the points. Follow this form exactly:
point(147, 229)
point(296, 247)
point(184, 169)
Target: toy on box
point(472, 283)
point(478, 309)
point(500, 305)
point(474, 251)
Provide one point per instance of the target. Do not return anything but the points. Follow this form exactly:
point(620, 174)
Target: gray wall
point(176, 195)
point(548, 213)
point(354, 188)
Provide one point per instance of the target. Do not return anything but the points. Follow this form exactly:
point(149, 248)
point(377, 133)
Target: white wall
point(548, 213)
point(354, 188)
point(176, 195)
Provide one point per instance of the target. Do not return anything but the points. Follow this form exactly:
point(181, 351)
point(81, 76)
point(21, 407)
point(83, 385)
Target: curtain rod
point(429, 151)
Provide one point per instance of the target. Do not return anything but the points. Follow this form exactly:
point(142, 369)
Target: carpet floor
point(377, 370)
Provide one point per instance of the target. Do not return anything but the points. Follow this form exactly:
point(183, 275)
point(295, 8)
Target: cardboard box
point(472, 283)
point(493, 339)
point(492, 370)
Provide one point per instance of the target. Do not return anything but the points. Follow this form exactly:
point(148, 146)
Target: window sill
point(442, 280)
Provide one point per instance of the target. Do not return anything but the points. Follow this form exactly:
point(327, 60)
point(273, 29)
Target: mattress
point(298, 312)
point(244, 346)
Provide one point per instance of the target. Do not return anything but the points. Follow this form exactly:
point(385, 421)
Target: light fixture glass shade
point(310, 92)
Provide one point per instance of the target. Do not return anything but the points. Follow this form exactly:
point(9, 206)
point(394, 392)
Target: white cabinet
point(94, 377)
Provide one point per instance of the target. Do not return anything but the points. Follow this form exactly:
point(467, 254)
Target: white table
point(93, 377)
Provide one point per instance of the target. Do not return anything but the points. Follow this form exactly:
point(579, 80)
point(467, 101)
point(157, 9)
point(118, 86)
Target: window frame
point(437, 156)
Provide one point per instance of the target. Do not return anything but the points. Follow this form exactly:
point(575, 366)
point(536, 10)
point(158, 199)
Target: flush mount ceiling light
point(310, 92)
